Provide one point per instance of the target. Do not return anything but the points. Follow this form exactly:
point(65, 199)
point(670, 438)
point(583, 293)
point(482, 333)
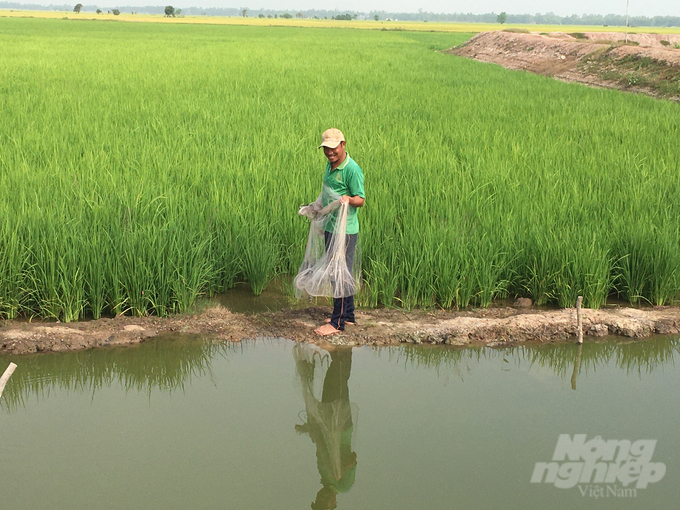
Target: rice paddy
point(144, 165)
point(369, 24)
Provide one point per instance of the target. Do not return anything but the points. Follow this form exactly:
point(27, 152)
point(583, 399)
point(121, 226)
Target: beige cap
point(331, 138)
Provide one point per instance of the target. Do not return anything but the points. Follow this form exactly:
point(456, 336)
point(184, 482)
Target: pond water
point(188, 423)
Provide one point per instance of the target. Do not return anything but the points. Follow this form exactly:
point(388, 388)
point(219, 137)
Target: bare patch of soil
point(597, 59)
point(495, 326)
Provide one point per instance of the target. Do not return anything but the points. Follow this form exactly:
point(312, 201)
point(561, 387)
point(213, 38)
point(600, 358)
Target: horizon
point(516, 7)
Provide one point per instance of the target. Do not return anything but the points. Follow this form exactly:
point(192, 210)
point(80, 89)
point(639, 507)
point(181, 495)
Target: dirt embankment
point(649, 63)
point(496, 326)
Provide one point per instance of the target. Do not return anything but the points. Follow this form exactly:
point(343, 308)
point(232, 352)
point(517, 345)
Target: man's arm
point(355, 201)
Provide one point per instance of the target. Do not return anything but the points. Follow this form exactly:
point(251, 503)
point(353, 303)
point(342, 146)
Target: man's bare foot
point(326, 330)
point(328, 321)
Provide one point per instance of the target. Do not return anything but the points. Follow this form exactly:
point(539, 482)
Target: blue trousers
point(343, 308)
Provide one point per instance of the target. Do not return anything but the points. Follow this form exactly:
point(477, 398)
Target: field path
point(493, 327)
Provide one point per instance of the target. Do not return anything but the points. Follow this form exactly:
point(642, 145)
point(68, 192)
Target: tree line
point(549, 18)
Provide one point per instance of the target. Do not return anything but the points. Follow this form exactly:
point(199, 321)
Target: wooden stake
point(5, 377)
point(579, 320)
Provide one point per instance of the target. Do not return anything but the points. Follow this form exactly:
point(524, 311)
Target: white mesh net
point(332, 263)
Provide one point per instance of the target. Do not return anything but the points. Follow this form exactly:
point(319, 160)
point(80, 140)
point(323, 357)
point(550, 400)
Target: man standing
point(345, 178)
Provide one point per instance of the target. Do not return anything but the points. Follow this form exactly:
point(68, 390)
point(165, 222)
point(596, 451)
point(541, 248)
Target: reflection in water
point(562, 359)
point(577, 366)
point(164, 364)
point(329, 417)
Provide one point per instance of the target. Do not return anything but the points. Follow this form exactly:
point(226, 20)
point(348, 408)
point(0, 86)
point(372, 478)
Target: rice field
point(146, 164)
point(369, 24)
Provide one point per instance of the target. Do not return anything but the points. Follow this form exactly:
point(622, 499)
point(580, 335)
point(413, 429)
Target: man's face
point(337, 155)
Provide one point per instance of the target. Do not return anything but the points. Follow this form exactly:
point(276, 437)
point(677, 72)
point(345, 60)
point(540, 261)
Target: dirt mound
point(495, 326)
point(596, 59)
point(663, 41)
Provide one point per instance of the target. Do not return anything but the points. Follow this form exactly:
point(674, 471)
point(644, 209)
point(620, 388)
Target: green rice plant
point(489, 267)
point(665, 284)
point(633, 270)
point(585, 271)
point(369, 295)
point(139, 184)
point(539, 281)
point(447, 274)
point(260, 254)
point(383, 281)
point(12, 260)
point(191, 272)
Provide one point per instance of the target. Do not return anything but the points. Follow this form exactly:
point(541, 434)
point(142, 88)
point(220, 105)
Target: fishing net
point(332, 263)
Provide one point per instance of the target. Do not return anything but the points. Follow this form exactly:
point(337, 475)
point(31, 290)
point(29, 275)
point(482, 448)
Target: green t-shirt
point(347, 179)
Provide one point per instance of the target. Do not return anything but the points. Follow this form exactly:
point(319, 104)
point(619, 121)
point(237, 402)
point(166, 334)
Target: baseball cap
point(331, 138)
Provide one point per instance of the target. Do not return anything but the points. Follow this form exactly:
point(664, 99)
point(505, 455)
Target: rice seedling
point(137, 183)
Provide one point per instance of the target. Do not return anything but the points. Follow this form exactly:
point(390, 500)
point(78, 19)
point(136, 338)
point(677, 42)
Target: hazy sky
point(563, 8)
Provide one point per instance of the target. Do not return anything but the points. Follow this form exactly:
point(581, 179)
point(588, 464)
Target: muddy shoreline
point(491, 327)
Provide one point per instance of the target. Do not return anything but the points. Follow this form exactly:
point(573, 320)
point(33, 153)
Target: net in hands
point(331, 268)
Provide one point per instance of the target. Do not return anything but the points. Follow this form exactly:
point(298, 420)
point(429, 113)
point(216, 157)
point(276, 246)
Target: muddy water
point(278, 294)
point(186, 423)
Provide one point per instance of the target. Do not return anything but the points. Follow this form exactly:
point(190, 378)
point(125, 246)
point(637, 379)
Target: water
point(278, 294)
point(186, 423)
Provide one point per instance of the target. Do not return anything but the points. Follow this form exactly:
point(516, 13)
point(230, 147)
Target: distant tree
point(376, 17)
point(99, 11)
point(178, 12)
point(286, 15)
point(260, 15)
point(244, 12)
point(77, 8)
point(502, 18)
point(115, 12)
point(169, 11)
point(299, 15)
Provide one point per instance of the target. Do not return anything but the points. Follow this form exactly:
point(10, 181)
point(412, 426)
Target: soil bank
point(493, 327)
point(648, 64)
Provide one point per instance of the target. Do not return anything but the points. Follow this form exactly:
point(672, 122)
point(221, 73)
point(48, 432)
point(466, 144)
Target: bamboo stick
point(5, 377)
point(579, 319)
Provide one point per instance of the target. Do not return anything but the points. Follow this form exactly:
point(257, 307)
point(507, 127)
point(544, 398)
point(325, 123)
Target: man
point(344, 177)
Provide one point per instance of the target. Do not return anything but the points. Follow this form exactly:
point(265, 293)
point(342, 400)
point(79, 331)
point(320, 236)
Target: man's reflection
point(329, 418)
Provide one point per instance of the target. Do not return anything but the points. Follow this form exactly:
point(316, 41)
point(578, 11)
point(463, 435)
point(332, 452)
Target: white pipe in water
point(5, 377)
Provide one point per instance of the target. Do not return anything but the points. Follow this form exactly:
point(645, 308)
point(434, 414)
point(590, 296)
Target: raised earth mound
point(646, 63)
